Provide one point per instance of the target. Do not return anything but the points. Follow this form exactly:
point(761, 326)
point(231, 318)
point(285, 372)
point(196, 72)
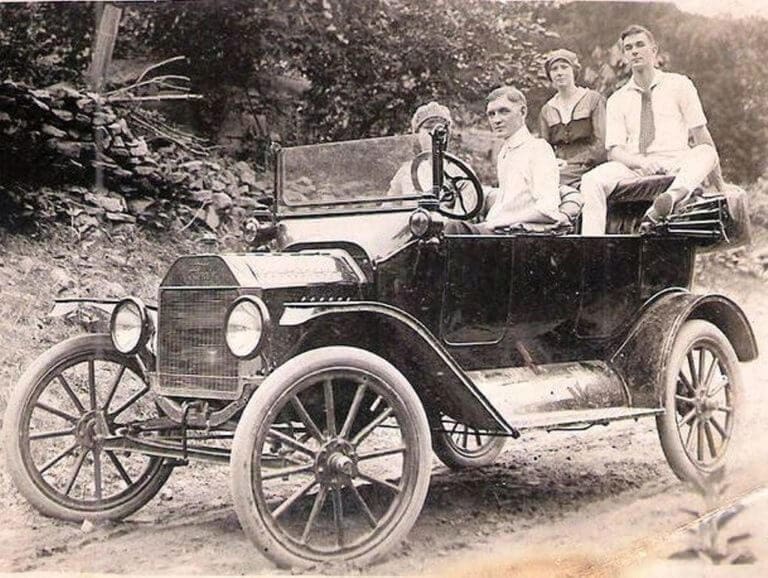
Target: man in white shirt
point(649, 122)
point(527, 171)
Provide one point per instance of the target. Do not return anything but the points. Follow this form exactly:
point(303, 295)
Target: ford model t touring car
point(355, 337)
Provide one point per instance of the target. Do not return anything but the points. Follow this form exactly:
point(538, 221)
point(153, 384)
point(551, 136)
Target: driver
point(527, 172)
point(423, 121)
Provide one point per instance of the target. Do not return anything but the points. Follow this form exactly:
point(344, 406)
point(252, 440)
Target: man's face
point(505, 117)
point(639, 51)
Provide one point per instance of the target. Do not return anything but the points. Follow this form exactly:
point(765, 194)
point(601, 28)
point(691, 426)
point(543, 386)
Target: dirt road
point(555, 504)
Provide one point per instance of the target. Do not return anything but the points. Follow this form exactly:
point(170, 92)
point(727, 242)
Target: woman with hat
point(423, 121)
point(573, 120)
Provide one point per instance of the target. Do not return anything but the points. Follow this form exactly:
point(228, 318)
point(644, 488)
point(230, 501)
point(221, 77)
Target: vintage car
point(355, 337)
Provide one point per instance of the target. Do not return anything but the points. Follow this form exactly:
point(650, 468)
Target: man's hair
point(636, 29)
point(512, 94)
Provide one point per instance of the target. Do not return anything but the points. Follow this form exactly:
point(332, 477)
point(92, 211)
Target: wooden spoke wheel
point(460, 446)
point(331, 459)
point(701, 395)
point(70, 399)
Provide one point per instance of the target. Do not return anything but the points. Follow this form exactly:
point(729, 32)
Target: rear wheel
point(331, 460)
point(460, 446)
point(70, 398)
point(701, 397)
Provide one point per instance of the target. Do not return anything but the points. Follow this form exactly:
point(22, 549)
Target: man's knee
point(705, 154)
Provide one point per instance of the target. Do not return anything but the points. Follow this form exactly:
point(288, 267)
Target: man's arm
point(700, 135)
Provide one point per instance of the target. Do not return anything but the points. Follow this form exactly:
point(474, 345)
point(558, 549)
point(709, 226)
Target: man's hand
point(647, 167)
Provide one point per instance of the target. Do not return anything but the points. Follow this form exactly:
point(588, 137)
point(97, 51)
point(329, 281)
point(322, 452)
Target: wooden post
point(108, 22)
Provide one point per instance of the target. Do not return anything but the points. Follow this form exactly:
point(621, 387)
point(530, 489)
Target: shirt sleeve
point(615, 129)
point(543, 125)
point(690, 104)
point(545, 180)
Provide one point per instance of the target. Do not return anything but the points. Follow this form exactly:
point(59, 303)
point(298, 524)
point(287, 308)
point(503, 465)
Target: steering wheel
point(461, 196)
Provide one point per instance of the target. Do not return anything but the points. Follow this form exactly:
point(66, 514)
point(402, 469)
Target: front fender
point(643, 355)
point(441, 384)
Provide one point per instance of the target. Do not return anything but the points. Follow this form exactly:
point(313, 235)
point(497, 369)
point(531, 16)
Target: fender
point(642, 356)
point(437, 378)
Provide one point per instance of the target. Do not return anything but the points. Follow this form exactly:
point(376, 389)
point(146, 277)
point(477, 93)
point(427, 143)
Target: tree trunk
point(107, 24)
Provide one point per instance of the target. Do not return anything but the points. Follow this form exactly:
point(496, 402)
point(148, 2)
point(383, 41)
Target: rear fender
point(642, 356)
point(401, 339)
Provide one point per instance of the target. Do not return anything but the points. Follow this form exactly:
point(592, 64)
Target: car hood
point(266, 270)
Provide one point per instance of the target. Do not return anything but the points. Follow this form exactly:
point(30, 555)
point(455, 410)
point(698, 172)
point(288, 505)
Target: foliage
point(368, 63)
point(45, 43)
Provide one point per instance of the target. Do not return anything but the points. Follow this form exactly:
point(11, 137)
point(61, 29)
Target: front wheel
point(701, 395)
point(460, 446)
point(69, 399)
point(331, 459)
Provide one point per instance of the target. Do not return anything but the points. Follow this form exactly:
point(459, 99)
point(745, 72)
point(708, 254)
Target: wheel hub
point(336, 463)
point(91, 429)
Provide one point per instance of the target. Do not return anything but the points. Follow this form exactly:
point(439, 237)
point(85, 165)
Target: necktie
point(647, 127)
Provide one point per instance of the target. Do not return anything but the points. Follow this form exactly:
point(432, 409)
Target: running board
point(574, 419)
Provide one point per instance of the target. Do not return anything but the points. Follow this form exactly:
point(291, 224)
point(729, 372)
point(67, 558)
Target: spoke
point(56, 412)
point(58, 458)
point(97, 473)
point(282, 508)
point(134, 398)
point(119, 467)
point(688, 417)
point(718, 427)
point(692, 369)
point(316, 508)
point(363, 433)
point(92, 383)
point(719, 388)
point(71, 394)
point(478, 439)
point(52, 434)
point(285, 472)
point(710, 440)
point(684, 399)
point(306, 419)
point(353, 409)
point(113, 388)
point(699, 441)
point(681, 377)
point(75, 472)
point(289, 441)
point(702, 363)
point(465, 437)
point(384, 483)
point(690, 435)
point(330, 409)
point(366, 510)
point(338, 516)
point(724, 408)
point(381, 453)
point(707, 383)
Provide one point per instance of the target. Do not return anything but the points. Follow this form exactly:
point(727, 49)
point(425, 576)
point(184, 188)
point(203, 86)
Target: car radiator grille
point(193, 358)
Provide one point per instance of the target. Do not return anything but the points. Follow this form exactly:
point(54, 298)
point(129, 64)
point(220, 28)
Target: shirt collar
point(522, 136)
point(658, 76)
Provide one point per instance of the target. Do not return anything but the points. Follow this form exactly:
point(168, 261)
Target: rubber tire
point(12, 426)
point(448, 454)
point(260, 409)
point(671, 444)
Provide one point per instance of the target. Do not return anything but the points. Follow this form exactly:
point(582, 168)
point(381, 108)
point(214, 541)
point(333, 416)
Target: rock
point(114, 289)
point(121, 217)
point(191, 165)
point(212, 218)
point(118, 142)
point(222, 200)
point(202, 196)
point(87, 527)
point(138, 206)
point(61, 278)
point(145, 170)
point(141, 149)
point(70, 149)
point(245, 173)
point(119, 152)
point(26, 265)
point(115, 204)
point(64, 115)
point(103, 118)
point(217, 185)
point(53, 131)
point(4, 117)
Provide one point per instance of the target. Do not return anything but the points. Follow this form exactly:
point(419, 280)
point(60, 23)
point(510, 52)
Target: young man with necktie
point(650, 122)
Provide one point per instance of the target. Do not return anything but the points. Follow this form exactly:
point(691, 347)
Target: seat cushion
point(640, 189)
